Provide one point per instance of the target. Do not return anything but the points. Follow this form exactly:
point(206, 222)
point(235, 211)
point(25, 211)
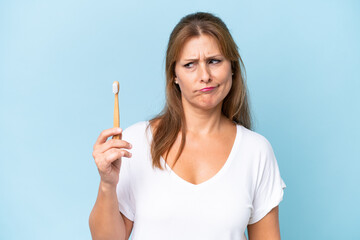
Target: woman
point(196, 171)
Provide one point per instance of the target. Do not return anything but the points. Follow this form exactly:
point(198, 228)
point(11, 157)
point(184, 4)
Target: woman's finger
point(114, 143)
point(105, 160)
point(115, 154)
point(104, 135)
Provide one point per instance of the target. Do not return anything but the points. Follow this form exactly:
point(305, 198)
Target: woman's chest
point(199, 160)
point(223, 205)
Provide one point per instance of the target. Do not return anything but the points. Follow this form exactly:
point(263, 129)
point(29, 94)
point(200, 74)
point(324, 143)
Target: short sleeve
point(269, 185)
point(124, 189)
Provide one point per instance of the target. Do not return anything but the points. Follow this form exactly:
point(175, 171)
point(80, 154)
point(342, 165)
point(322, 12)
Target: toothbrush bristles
point(115, 87)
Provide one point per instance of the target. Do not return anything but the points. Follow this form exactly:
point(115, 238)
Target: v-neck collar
point(222, 170)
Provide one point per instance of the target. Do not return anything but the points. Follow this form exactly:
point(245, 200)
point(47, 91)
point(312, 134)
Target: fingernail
point(130, 154)
point(130, 145)
point(119, 130)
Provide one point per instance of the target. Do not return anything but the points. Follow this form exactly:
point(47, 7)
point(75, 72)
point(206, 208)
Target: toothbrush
point(115, 87)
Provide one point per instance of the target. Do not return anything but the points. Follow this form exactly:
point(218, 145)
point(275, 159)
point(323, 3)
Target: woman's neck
point(204, 122)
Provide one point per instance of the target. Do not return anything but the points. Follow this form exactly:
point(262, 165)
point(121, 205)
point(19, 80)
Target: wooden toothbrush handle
point(116, 115)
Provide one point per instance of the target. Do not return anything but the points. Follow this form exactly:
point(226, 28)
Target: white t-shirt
point(164, 206)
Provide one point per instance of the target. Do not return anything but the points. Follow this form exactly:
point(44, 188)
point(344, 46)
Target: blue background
point(58, 60)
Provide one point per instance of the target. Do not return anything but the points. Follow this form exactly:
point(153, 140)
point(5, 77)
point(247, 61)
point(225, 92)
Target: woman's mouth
point(207, 89)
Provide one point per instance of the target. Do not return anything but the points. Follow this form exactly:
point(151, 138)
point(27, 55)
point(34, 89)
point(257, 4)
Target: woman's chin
point(206, 106)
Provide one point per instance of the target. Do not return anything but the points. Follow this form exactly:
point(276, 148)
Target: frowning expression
point(204, 75)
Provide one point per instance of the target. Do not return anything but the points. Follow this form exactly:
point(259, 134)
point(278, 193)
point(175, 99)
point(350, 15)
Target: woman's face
point(203, 73)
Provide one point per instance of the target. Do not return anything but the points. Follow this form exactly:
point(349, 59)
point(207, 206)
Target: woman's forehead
point(202, 46)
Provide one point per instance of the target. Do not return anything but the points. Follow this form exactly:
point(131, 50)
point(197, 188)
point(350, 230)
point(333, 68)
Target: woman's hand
point(107, 155)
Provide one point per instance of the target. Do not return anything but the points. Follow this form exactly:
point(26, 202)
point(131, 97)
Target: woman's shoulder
point(135, 130)
point(136, 126)
point(254, 140)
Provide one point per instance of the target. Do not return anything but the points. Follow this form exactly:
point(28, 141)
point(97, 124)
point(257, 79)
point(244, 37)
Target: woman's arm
point(267, 228)
point(105, 220)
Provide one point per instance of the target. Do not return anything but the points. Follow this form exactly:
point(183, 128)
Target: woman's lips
point(206, 89)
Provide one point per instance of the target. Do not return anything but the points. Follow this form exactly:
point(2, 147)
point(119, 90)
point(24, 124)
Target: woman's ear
point(176, 80)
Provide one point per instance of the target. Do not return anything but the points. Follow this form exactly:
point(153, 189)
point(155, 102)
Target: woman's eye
point(214, 61)
point(189, 65)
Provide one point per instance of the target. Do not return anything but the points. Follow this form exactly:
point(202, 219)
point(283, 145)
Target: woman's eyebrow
point(210, 57)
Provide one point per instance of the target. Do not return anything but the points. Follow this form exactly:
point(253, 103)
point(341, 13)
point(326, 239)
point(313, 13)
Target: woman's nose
point(205, 75)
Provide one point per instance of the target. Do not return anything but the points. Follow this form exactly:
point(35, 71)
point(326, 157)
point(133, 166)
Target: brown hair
point(171, 120)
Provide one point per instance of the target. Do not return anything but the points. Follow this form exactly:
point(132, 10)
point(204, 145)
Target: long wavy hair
point(171, 120)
